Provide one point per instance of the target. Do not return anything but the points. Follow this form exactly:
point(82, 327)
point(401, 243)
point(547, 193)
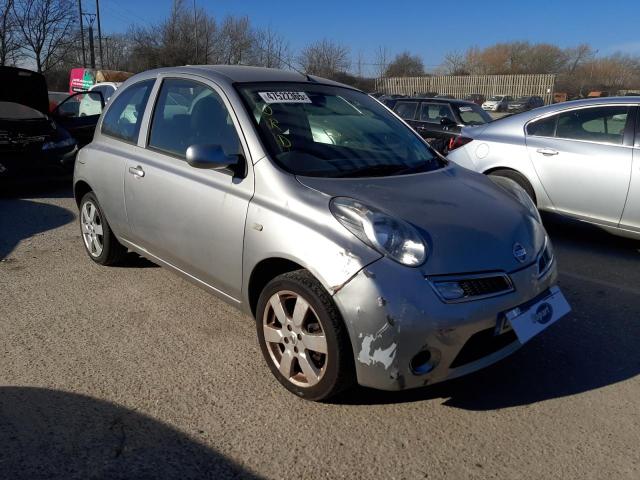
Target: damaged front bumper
point(404, 335)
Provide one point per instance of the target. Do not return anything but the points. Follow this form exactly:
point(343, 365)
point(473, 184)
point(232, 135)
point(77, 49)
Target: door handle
point(138, 172)
point(547, 151)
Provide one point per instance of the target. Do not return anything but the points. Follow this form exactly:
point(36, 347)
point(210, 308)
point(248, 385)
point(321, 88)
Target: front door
point(192, 218)
point(631, 216)
point(79, 114)
point(437, 124)
point(582, 162)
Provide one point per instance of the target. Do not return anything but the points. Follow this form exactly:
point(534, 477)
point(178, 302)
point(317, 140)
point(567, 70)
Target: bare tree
point(9, 42)
point(46, 28)
point(235, 41)
point(454, 64)
point(578, 55)
point(325, 58)
point(270, 49)
point(381, 61)
point(405, 65)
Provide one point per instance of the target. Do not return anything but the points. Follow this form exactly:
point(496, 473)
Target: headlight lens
point(65, 142)
point(390, 236)
point(520, 193)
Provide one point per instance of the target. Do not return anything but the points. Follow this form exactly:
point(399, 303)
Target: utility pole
point(195, 29)
point(99, 34)
point(91, 17)
point(84, 57)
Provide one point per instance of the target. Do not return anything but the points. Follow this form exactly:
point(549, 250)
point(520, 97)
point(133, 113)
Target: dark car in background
point(476, 98)
point(524, 104)
point(439, 120)
point(35, 142)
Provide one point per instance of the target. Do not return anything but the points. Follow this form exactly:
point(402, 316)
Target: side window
point(434, 112)
point(597, 124)
point(406, 110)
point(124, 115)
point(545, 127)
point(190, 113)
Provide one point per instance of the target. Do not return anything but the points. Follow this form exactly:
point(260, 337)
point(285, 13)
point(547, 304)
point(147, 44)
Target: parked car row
point(439, 120)
point(579, 158)
point(363, 255)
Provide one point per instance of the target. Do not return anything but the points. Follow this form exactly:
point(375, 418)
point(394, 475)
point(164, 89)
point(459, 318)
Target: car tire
point(291, 339)
point(98, 239)
point(518, 178)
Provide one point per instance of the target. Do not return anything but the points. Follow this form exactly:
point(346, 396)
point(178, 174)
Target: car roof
point(230, 74)
point(513, 124)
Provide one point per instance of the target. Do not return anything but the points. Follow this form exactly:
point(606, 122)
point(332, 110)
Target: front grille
point(481, 344)
point(477, 287)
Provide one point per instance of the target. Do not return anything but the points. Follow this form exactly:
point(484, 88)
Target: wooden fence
point(463, 85)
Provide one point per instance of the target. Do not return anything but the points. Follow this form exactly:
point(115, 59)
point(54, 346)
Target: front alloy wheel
point(303, 338)
point(296, 342)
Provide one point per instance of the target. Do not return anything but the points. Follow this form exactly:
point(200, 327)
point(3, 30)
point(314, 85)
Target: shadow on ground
point(28, 188)
point(22, 219)
point(53, 434)
point(596, 345)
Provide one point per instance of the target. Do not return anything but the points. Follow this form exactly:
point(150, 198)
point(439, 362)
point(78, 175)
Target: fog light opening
point(420, 362)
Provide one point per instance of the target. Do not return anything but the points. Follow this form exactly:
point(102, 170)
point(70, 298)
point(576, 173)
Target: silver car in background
point(578, 158)
point(362, 254)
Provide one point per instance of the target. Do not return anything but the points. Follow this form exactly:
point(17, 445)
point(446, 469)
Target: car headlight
point(520, 193)
point(65, 142)
point(390, 236)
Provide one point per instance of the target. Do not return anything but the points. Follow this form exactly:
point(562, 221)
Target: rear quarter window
point(545, 127)
point(406, 110)
point(122, 119)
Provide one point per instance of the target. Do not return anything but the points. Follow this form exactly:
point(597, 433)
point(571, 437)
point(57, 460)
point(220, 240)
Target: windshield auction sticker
point(284, 97)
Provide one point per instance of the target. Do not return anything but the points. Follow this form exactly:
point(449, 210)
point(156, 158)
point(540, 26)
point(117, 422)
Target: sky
point(426, 28)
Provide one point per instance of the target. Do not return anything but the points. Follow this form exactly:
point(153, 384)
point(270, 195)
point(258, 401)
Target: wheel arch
point(510, 169)
point(80, 189)
point(265, 271)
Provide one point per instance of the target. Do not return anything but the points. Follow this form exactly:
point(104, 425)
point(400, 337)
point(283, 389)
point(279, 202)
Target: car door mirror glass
point(208, 156)
point(447, 122)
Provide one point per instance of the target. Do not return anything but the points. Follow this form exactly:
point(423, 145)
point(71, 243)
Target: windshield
point(326, 131)
point(522, 99)
point(473, 115)
point(496, 98)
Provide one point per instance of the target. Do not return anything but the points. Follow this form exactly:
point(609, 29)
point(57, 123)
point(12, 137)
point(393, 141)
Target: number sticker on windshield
point(285, 97)
point(465, 109)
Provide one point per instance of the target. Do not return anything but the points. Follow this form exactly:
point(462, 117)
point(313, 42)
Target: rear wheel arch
point(80, 189)
point(517, 177)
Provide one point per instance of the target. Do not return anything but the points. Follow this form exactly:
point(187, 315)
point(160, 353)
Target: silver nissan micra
point(362, 254)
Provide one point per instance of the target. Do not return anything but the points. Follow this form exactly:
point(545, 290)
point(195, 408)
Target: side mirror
point(210, 156)
point(447, 122)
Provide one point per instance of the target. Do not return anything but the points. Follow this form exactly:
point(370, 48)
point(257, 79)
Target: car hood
point(470, 224)
point(24, 87)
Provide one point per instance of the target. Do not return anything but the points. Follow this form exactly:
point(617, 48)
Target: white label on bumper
point(540, 315)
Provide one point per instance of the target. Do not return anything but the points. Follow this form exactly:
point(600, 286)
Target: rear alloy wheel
point(303, 338)
point(99, 241)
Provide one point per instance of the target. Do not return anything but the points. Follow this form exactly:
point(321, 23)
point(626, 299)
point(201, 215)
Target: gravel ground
point(131, 372)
